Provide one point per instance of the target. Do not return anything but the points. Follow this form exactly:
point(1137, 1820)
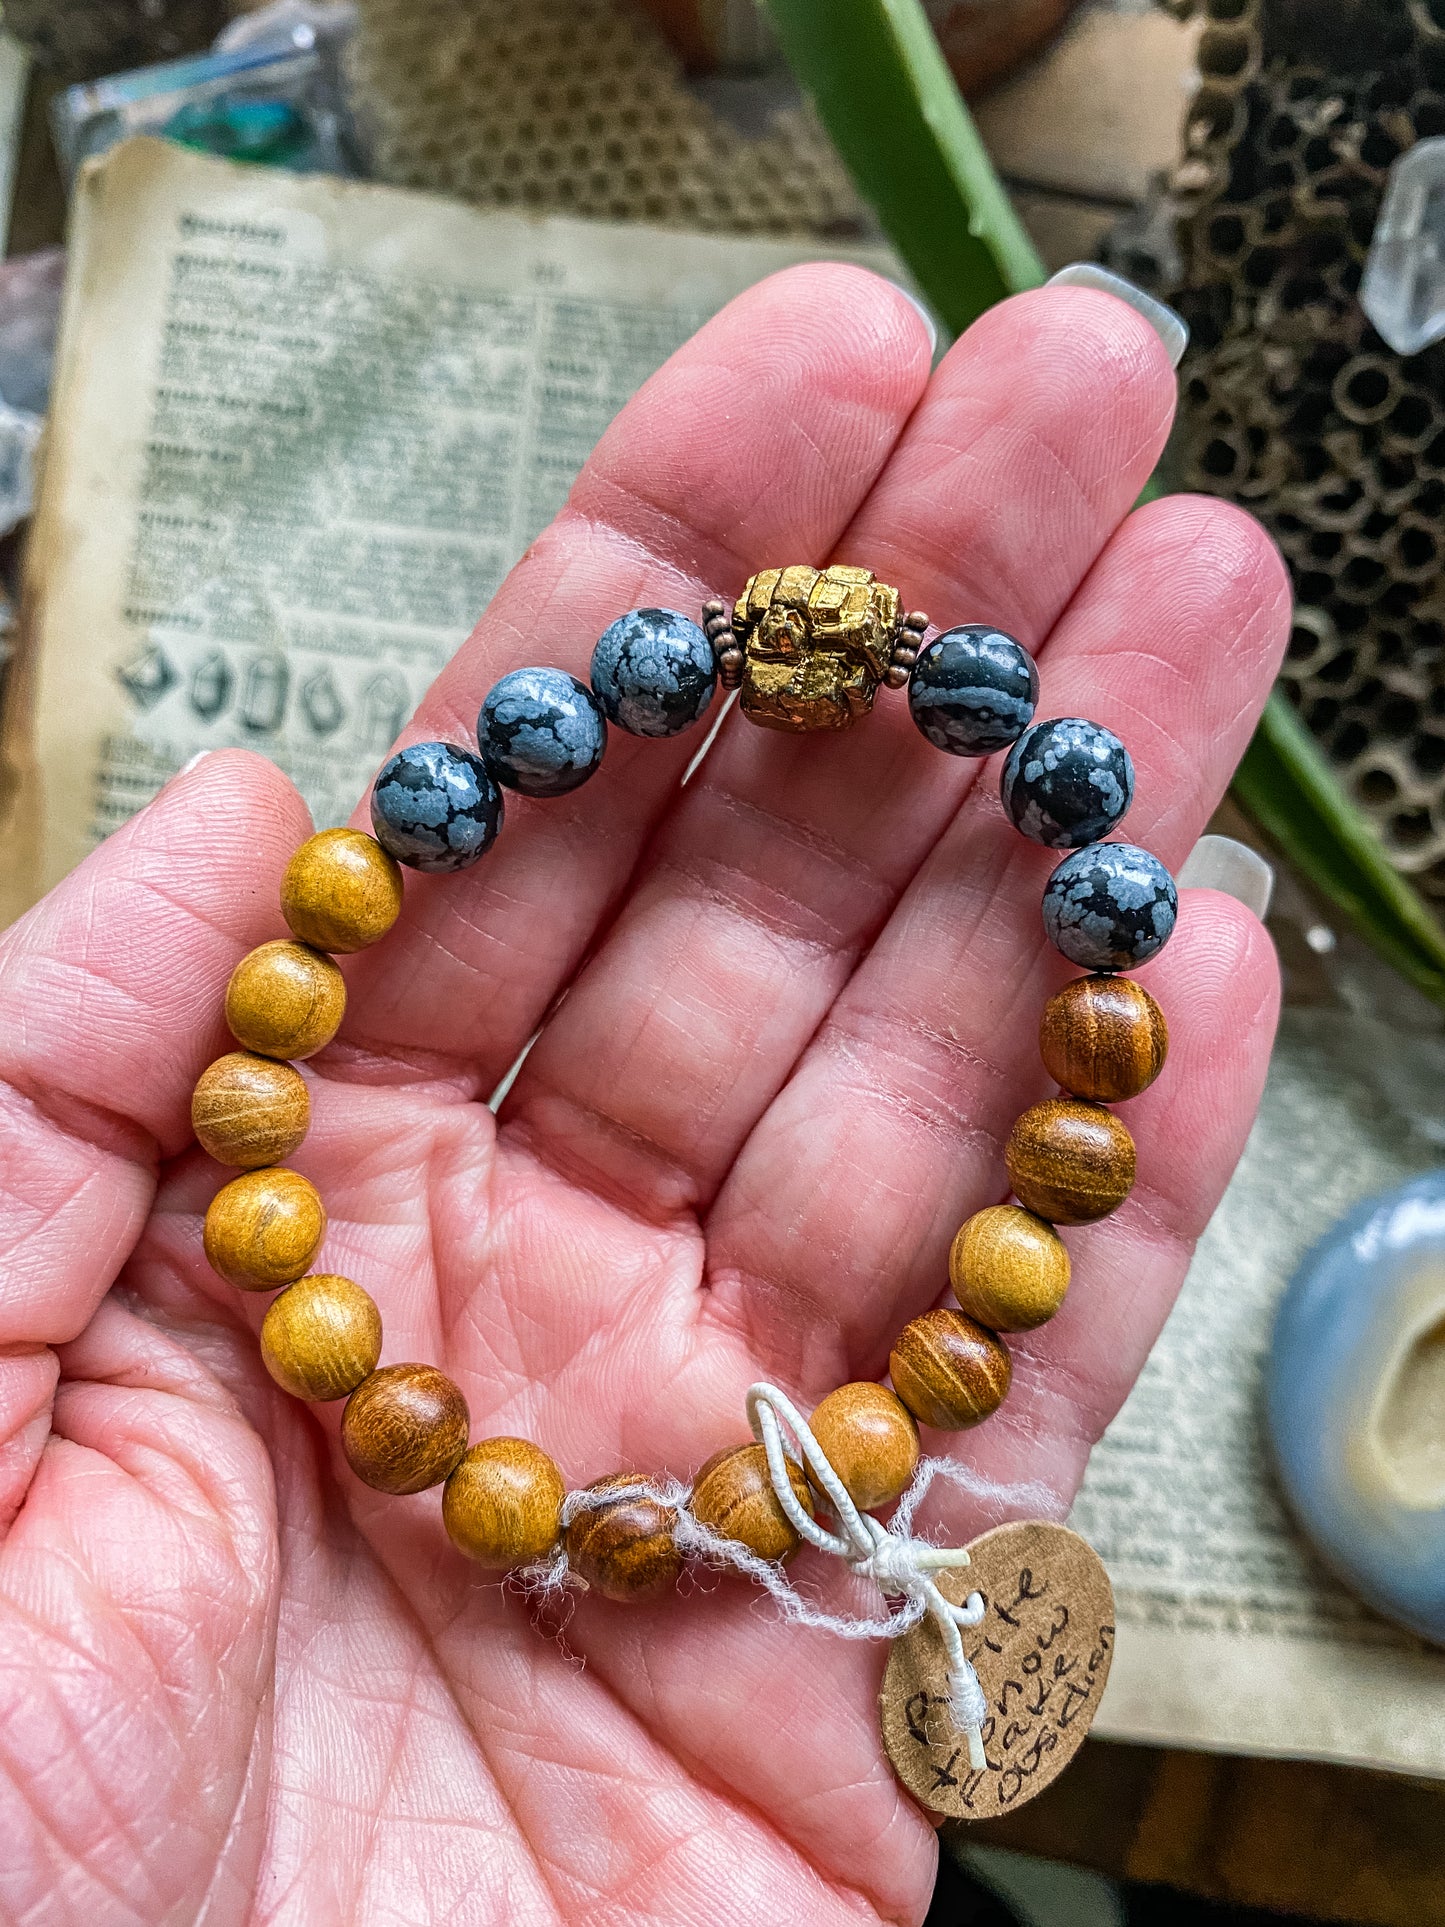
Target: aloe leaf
point(883, 88)
point(1285, 784)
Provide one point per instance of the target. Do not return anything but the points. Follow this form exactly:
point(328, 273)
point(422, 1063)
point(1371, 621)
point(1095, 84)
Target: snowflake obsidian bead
point(1110, 907)
point(1067, 783)
point(435, 807)
point(654, 672)
point(973, 690)
point(541, 732)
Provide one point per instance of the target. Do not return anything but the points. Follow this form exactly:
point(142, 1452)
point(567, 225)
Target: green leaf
point(882, 86)
point(883, 89)
point(1285, 784)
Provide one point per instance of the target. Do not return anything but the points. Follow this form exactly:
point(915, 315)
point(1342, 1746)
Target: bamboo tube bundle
point(1290, 402)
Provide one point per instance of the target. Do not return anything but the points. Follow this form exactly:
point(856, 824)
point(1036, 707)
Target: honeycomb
point(580, 107)
point(1290, 403)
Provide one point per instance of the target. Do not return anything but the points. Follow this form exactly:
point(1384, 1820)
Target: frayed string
point(899, 1564)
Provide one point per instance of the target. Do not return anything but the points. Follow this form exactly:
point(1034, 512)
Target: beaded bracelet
point(807, 649)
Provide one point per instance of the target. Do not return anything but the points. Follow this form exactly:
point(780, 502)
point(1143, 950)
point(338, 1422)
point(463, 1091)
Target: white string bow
point(897, 1563)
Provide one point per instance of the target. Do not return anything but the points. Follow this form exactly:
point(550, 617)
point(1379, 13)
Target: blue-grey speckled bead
point(541, 732)
point(1347, 1396)
point(1067, 783)
point(654, 672)
point(435, 807)
point(973, 690)
point(1110, 907)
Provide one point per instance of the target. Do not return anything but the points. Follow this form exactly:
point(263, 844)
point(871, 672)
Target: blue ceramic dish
point(1356, 1402)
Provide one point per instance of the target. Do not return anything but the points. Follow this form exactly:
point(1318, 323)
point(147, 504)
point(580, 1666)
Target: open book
point(301, 429)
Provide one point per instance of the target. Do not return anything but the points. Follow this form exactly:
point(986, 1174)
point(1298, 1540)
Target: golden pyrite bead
point(816, 644)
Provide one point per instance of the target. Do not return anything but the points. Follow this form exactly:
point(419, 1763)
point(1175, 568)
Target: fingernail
point(191, 761)
point(1221, 863)
point(1169, 326)
point(914, 303)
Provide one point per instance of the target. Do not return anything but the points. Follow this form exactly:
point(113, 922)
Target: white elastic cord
point(897, 1563)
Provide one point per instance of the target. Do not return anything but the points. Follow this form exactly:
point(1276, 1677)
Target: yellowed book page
point(302, 430)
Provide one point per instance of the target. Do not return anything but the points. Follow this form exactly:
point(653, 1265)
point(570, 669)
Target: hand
point(802, 1006)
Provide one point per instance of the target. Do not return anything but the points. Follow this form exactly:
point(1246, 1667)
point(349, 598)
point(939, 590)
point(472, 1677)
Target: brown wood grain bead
point(733, 1495)
point(341, 891)
point(949, 1370)
point(503, 1504)
point(870, 1441)
point(1070, 1161)
point(1103, 1038)
point(249, 1110)
point(321, 1338)
point(285, 1000)
point(263, 1229)
point(1009, 1268)
point(625, 1550)
point(404, 1428)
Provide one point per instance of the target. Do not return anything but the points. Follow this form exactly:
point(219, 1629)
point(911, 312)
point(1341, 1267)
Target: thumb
point(110, 1007)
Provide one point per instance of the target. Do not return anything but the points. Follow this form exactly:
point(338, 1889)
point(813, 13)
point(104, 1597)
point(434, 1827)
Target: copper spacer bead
point(730, 668)
point(916, 619)
point(896, 674)
point(713, 609)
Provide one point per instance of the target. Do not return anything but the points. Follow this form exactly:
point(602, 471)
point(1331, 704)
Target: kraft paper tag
point(1041, 1652)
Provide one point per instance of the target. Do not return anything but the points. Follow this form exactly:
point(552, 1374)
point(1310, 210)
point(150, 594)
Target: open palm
point(801, 1009)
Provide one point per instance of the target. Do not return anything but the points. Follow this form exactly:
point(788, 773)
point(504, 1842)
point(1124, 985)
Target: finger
point(833, 1228)
point(110, 1007)
point(786, 857)
point(763, 432)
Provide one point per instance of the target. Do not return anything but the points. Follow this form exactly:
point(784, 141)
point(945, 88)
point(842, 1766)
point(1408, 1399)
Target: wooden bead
point(285, 1000)
point(949, 1370)
point(263, 1230)
point(341, 891)
point(626, 1550)
point(1070, 1161)
point(404, 1428)
point(249, 1110)
point(870, 1440)
point(733, 1495)
point(503, 1504)
point(1103, 1038)
point(321, 1338)
point(1008, 1268)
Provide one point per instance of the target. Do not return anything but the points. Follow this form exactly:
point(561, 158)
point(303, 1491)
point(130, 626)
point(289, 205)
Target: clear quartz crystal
point(1403, 289)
